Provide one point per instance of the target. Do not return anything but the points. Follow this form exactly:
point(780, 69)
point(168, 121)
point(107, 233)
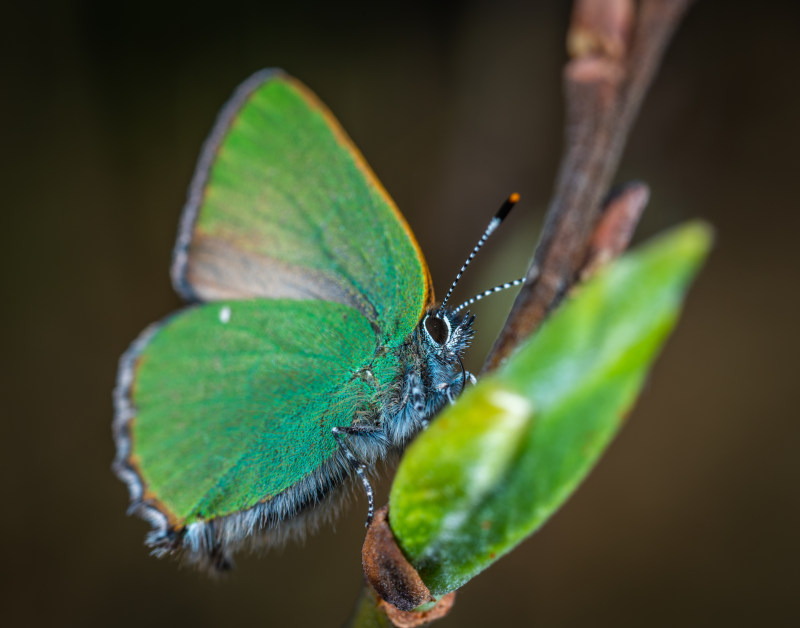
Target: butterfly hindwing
point(233, 403)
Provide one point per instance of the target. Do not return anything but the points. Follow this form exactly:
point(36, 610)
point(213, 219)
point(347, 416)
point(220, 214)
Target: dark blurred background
point(691, 518)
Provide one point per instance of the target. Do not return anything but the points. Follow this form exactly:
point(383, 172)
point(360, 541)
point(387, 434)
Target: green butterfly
point(313, 348)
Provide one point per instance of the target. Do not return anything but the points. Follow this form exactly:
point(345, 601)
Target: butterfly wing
point(283, 205)
point(227, 406)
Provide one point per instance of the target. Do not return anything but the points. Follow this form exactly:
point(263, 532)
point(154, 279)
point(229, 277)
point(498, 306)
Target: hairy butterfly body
point(310, 351)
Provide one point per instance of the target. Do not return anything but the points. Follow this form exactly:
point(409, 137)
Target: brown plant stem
point(613, 232)
point(604, 84)
point(387, 570)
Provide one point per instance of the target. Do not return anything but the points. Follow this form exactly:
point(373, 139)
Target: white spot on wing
point(225, 314)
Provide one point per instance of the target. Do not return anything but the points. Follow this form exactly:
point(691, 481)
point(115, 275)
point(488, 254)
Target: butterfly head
point(446, 333)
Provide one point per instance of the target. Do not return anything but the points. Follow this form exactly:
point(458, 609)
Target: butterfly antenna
point(486, 293)
point(512, 200)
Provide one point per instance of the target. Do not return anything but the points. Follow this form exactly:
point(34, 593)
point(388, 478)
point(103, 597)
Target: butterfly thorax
point(429, 374)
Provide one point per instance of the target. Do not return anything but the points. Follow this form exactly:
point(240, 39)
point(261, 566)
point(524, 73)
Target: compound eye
point(437, 329)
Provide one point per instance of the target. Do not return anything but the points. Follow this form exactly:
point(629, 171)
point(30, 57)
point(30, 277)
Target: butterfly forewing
point(234, 402)
point(283, 205)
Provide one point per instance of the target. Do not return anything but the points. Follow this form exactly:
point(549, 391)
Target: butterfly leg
point(454, 389)
point(416, 394)
point(413, 400)
point(339, 433)
point(449, 389)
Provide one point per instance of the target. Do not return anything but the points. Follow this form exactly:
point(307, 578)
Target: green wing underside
point(283, 205)
point(229, 414)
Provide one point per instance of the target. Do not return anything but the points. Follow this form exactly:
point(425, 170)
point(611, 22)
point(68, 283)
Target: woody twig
point(615, 47)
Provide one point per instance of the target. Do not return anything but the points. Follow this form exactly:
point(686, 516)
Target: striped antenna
point(486, 293)
point(493, 224)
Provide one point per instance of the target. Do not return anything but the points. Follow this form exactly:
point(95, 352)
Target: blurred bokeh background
point(691, 518)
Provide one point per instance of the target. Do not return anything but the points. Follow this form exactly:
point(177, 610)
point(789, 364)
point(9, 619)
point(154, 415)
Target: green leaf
point(493, 467)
